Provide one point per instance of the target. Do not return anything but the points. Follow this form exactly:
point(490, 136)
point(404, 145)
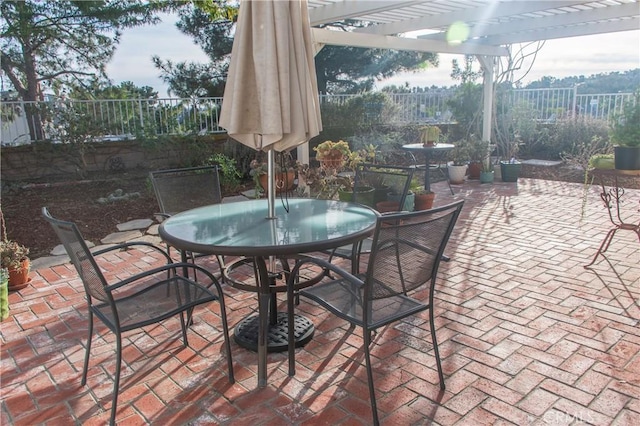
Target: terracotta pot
point(19, 278)
point(388, 206)
point(474, 170)
point(281, 180)
point(334, 162)
point(424, 201)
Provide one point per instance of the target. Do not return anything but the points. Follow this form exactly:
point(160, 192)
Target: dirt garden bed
point(78, 200)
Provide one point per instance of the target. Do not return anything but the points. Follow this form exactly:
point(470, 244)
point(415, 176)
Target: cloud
point(558, 58)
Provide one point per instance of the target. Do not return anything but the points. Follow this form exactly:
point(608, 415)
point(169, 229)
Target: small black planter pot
point(627, 157)
point(510, 171)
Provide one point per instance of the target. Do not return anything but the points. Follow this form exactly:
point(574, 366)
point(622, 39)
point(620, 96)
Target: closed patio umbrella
point(271, 96)
point(271, 100)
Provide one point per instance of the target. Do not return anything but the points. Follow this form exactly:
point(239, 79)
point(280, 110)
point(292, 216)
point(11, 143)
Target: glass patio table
point(428, 151)
point(243, 229)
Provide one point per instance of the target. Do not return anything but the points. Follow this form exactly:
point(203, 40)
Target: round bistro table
point(243, 229)
point(428, 151)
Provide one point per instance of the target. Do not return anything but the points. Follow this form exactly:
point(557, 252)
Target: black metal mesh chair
point(145, 298)
point(407, 250)
point(438, 170)
point(178, 190)
point(390, 183)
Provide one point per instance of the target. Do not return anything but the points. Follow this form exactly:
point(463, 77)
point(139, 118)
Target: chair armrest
point(171, 268)
point(327, 266)
point(133, 244)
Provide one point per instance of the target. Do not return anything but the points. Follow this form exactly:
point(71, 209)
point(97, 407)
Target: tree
point(64, 42)
point(125, 90)
point(339, 69)
point(353, 69)
point(210, 24)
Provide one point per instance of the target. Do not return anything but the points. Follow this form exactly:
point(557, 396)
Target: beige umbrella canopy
point(271, 96)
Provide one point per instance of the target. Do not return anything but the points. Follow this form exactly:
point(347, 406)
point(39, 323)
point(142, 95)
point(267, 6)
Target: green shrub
point(230, 176)
point(580, 138)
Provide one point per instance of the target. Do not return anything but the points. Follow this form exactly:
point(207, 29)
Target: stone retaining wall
point(46, 161)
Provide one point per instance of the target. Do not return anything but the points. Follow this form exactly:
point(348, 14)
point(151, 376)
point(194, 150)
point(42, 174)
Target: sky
point(558, 58)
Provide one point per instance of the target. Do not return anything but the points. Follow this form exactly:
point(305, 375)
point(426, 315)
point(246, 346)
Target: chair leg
point(86, 354)
point(432, 326)
point(183, 325)
point(227, 343)
point(116, 379)
point(290, 331)
point(372, 392)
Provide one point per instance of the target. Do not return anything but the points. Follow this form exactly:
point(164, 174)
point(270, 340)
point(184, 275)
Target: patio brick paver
point(527, 336)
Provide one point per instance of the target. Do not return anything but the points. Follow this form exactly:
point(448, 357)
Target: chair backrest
point(178, 190)
point(81, 257)
point(384, 179)
point(407, 249)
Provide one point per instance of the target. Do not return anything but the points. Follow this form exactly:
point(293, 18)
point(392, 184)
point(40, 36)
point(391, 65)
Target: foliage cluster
point(576, 140)
point(12, 254)
point(230, 176)
point(331, 149)
point(626, 129)
point(65, 42)
point(369, 109)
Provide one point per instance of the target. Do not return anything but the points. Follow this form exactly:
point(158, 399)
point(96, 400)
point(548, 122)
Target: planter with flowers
point(332, 155)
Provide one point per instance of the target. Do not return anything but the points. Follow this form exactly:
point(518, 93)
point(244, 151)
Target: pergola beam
point(573, 31)
point(372, 41)
point(476, 14)
point(562, 21)
point(352, 9)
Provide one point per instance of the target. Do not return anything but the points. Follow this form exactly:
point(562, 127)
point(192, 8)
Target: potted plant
point(347, 191)
point(625, 135)
point(458, 161)
point(332, 155)
point(285, 173)
point(14, 257)
point(478, 152)
point(487, 173)
point(430, 135)
point(423, 199)
point(510, 166)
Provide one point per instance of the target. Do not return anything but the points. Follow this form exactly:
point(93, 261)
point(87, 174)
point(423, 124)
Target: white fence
point(24, 122)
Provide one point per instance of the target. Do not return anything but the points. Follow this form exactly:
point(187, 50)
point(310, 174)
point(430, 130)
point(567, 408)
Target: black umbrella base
point(246, 333)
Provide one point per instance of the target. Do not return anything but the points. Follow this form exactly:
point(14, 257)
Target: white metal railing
point(548, 105)
point(23, 122)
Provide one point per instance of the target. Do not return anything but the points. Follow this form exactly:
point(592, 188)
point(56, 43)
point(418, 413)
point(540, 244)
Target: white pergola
point(493, 26)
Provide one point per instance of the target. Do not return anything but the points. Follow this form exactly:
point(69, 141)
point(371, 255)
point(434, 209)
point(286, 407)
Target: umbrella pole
point(271, 190)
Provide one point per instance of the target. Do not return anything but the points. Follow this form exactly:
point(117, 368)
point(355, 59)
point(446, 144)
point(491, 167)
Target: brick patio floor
point(527, 336)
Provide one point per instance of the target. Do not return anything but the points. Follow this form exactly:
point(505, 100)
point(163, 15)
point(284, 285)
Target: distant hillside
point(627, 81)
